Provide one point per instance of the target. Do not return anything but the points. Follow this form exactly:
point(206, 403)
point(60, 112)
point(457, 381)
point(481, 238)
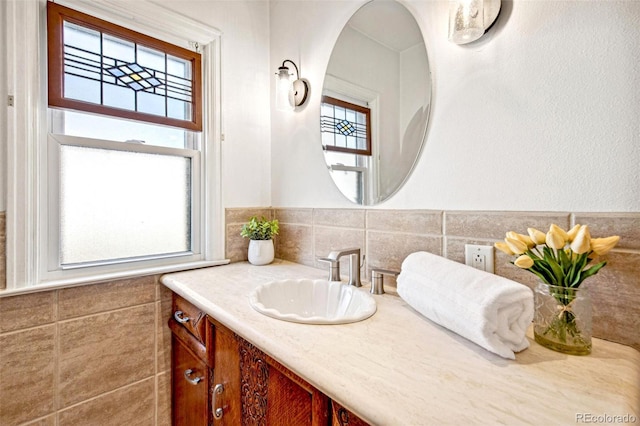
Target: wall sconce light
point(470, 19)
point(290, 93)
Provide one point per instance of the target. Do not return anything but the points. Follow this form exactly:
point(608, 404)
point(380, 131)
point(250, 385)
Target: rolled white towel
point(491, 311)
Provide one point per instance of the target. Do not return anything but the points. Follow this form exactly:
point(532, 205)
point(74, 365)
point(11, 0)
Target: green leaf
point(542, 271)
point(557, 270)
point(262, 229)
point(591, 271)
point(580, 264)
point(565, 262)
point(544, 278)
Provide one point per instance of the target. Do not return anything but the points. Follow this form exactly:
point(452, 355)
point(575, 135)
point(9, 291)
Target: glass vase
point(563, 317)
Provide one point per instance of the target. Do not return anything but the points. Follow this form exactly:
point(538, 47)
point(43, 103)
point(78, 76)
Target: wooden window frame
point(348, 105)
point(57, 15)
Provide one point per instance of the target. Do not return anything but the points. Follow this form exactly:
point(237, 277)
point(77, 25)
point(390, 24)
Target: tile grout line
point(443, 232)
point(108, 311)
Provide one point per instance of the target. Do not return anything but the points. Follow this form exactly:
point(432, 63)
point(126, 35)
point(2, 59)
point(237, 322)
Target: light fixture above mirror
point(290, 92)
point(471, 19)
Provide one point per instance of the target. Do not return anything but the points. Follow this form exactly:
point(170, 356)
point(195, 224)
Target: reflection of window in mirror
point(346, 139)
point(345, 127)
point(350, 173)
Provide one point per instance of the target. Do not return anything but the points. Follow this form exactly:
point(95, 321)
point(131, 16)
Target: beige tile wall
point(90, 355)
point(100, 354)
point(386, 237)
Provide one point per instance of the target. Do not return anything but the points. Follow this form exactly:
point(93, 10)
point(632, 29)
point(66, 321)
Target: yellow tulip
point(573, 232)
point(555, 228)
point(524, 238)
point(524, 262)
point(537, 237)
point(516, 246)
point(570, 254)
point(602, 246)
point(554, 239)
point(504, 248)
point(582, 242)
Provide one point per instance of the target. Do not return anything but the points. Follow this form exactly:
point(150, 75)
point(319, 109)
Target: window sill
point(98, 278)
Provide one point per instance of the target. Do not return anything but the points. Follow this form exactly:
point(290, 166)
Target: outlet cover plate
point(479, 257)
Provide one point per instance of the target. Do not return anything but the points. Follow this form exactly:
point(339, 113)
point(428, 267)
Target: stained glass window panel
point(345, 126)
point(114, 71)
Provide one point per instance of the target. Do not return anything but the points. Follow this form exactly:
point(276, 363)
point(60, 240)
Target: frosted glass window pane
point(150, 103)
point(81, 37)
point(114, 47)
point(118, 97)
point(178, 66)
point(151, 58)
point(179, 109)
point(81, 89)
point(117, 204)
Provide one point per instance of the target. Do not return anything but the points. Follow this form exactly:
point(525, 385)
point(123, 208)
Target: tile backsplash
point(386, 237)
point(100, 353)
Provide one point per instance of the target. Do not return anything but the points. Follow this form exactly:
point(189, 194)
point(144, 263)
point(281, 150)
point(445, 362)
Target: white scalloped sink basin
point(312, 301)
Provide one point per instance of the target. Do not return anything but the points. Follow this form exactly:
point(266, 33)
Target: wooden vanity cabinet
point(219, 378)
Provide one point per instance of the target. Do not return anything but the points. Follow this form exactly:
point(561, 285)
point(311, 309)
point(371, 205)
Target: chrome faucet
point(354, 264)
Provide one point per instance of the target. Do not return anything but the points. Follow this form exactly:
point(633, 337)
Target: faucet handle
point(334, 267)
point(377, 279)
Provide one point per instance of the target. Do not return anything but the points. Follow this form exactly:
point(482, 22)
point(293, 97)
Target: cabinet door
point(273, 395)
point(190, 382)
point(225, 394)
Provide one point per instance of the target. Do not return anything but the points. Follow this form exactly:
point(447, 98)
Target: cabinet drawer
point(190, 317)
point(190, 381)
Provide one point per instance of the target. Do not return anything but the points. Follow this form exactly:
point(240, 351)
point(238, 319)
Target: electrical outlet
point(479, 257)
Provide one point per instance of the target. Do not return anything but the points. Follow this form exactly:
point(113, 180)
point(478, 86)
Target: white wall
point(541, 114)
point(246, 76)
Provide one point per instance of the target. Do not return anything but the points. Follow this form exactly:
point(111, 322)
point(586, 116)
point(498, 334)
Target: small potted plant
point(260, 233)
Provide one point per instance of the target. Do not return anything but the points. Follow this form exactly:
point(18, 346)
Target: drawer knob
point(193, 380)
point(180, 317)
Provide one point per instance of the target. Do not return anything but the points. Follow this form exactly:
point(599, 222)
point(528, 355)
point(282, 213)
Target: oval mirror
point(375, 102)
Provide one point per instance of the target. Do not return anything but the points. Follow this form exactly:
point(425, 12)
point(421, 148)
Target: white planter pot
point(261, 252)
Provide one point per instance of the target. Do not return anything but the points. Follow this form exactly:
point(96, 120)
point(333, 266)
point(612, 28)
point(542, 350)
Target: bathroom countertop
point(399, 368)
